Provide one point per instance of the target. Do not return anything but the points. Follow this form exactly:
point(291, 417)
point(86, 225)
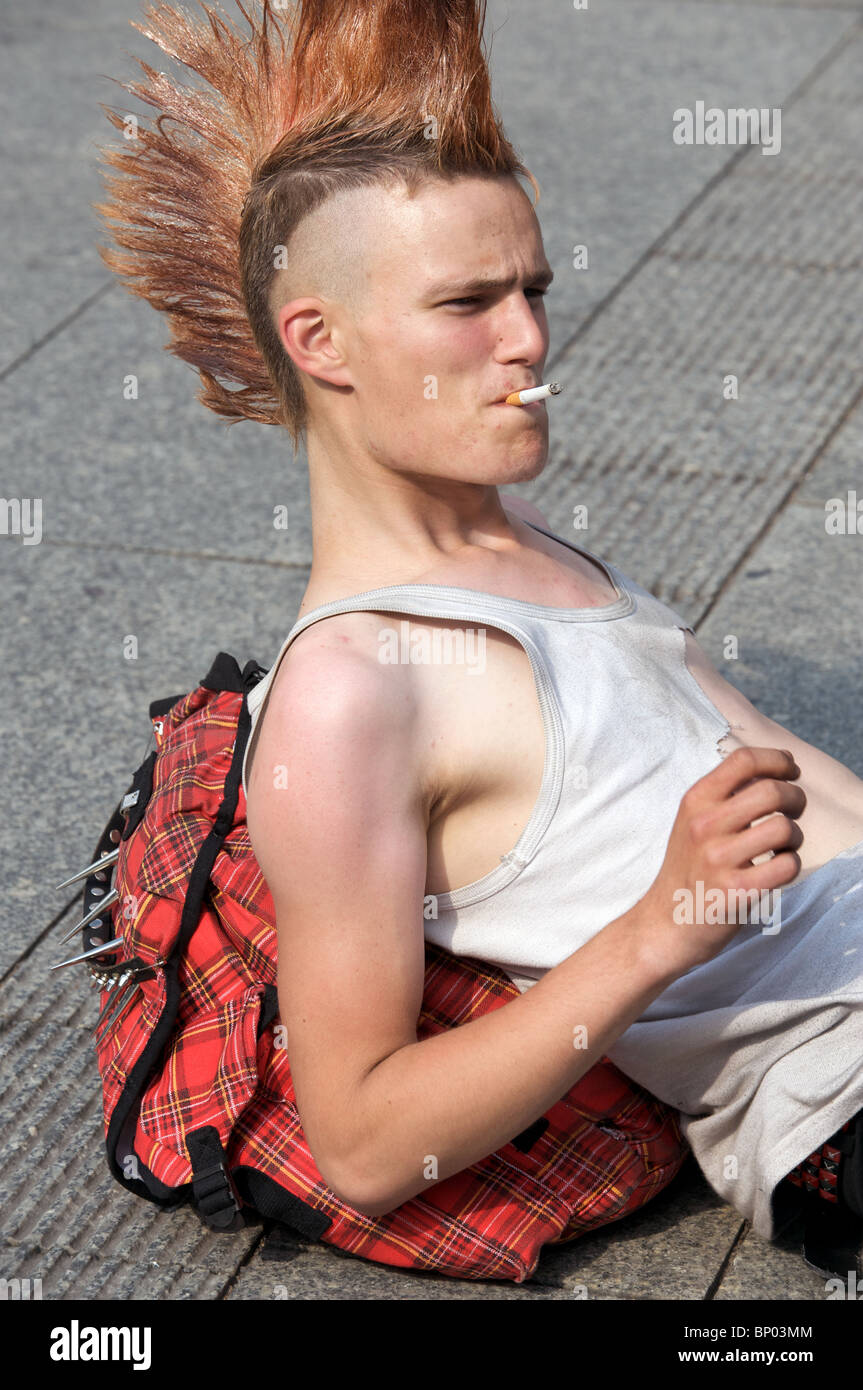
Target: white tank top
point(628, 730)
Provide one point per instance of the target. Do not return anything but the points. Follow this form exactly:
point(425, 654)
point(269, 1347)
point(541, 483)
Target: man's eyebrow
point(483, 283)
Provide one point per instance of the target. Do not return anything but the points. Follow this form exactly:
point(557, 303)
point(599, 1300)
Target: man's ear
point(307, 335)
point(526, 510)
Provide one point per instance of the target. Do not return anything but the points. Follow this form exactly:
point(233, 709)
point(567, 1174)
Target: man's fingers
point(775, 833)
point(760, 798)
point(777, 872)
point(742, 766)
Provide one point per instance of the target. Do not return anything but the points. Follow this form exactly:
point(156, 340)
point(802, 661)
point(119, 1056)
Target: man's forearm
point(438, 1105)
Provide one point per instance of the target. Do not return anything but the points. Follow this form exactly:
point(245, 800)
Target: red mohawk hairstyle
point(321, 96)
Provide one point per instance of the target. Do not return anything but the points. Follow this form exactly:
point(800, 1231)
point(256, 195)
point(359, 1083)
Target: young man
point(411, 779)
point(475, 732)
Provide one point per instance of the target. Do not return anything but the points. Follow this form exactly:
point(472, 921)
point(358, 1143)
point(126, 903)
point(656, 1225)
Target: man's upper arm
point(342, 846)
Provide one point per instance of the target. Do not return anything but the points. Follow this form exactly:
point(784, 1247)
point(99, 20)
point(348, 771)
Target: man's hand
point(714, 842)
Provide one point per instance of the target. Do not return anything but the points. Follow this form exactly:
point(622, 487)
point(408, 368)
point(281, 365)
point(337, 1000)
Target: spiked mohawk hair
point(320, 97)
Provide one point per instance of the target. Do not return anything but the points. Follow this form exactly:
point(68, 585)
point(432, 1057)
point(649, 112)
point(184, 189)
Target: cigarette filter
point(534, 393)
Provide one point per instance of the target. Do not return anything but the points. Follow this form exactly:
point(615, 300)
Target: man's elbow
point(358, 1189)
point(354, 1158)
point(352, 1171)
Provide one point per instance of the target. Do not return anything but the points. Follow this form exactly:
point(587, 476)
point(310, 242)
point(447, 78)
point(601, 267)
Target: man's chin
point(502, 473)
point(502, 464)
point(520, 465)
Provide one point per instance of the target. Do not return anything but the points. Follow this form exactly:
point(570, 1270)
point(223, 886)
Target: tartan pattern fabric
point(818, 1175)
point(602, 1151)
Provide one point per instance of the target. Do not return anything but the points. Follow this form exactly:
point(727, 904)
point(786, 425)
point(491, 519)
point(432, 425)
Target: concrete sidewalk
point(704, 261)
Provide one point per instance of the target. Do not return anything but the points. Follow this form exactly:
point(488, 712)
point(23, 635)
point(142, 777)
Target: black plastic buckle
point(214, 1196)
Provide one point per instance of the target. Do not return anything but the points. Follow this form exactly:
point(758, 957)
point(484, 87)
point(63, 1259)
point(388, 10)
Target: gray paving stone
point(835, 474)
point(325, 1273)
point(678, 484)
point(671, 1249)
point(785, 4)
point(600, 141)
point(58, 1200)
point(53, 58)
point(678, 481)
point(92, 1276)
point(81, 724)
point(796, 608)
point(158, 471)
point(770, 1272)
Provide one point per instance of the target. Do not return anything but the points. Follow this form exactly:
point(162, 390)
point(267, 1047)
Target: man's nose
point(522, 333)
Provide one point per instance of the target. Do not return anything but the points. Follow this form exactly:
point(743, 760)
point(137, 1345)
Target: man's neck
point(373, 527)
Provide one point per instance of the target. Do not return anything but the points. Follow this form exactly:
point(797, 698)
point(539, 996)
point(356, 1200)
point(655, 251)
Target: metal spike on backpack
point(103, 945)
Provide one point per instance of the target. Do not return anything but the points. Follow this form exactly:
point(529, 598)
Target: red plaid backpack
point(197, 1096)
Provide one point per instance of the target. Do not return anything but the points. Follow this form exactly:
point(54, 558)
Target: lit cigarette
point(535, 393)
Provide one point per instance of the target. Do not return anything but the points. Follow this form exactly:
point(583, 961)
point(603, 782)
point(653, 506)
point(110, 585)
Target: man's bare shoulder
point(343, 726)
point(333, 675)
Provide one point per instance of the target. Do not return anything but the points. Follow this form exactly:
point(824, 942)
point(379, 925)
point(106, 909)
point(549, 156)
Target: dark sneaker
point(833, 1240)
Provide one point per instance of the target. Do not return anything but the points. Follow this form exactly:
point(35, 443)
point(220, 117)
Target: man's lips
point(501, 400)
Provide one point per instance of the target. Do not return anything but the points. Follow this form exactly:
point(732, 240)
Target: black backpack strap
point(269, 1007)
point(274, 1202)
point(528, 1137)
point(134, 803)
point(190, 916)
point(159, 707)
point(212, 1193)
point(225, 674)
point(214, 1197)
